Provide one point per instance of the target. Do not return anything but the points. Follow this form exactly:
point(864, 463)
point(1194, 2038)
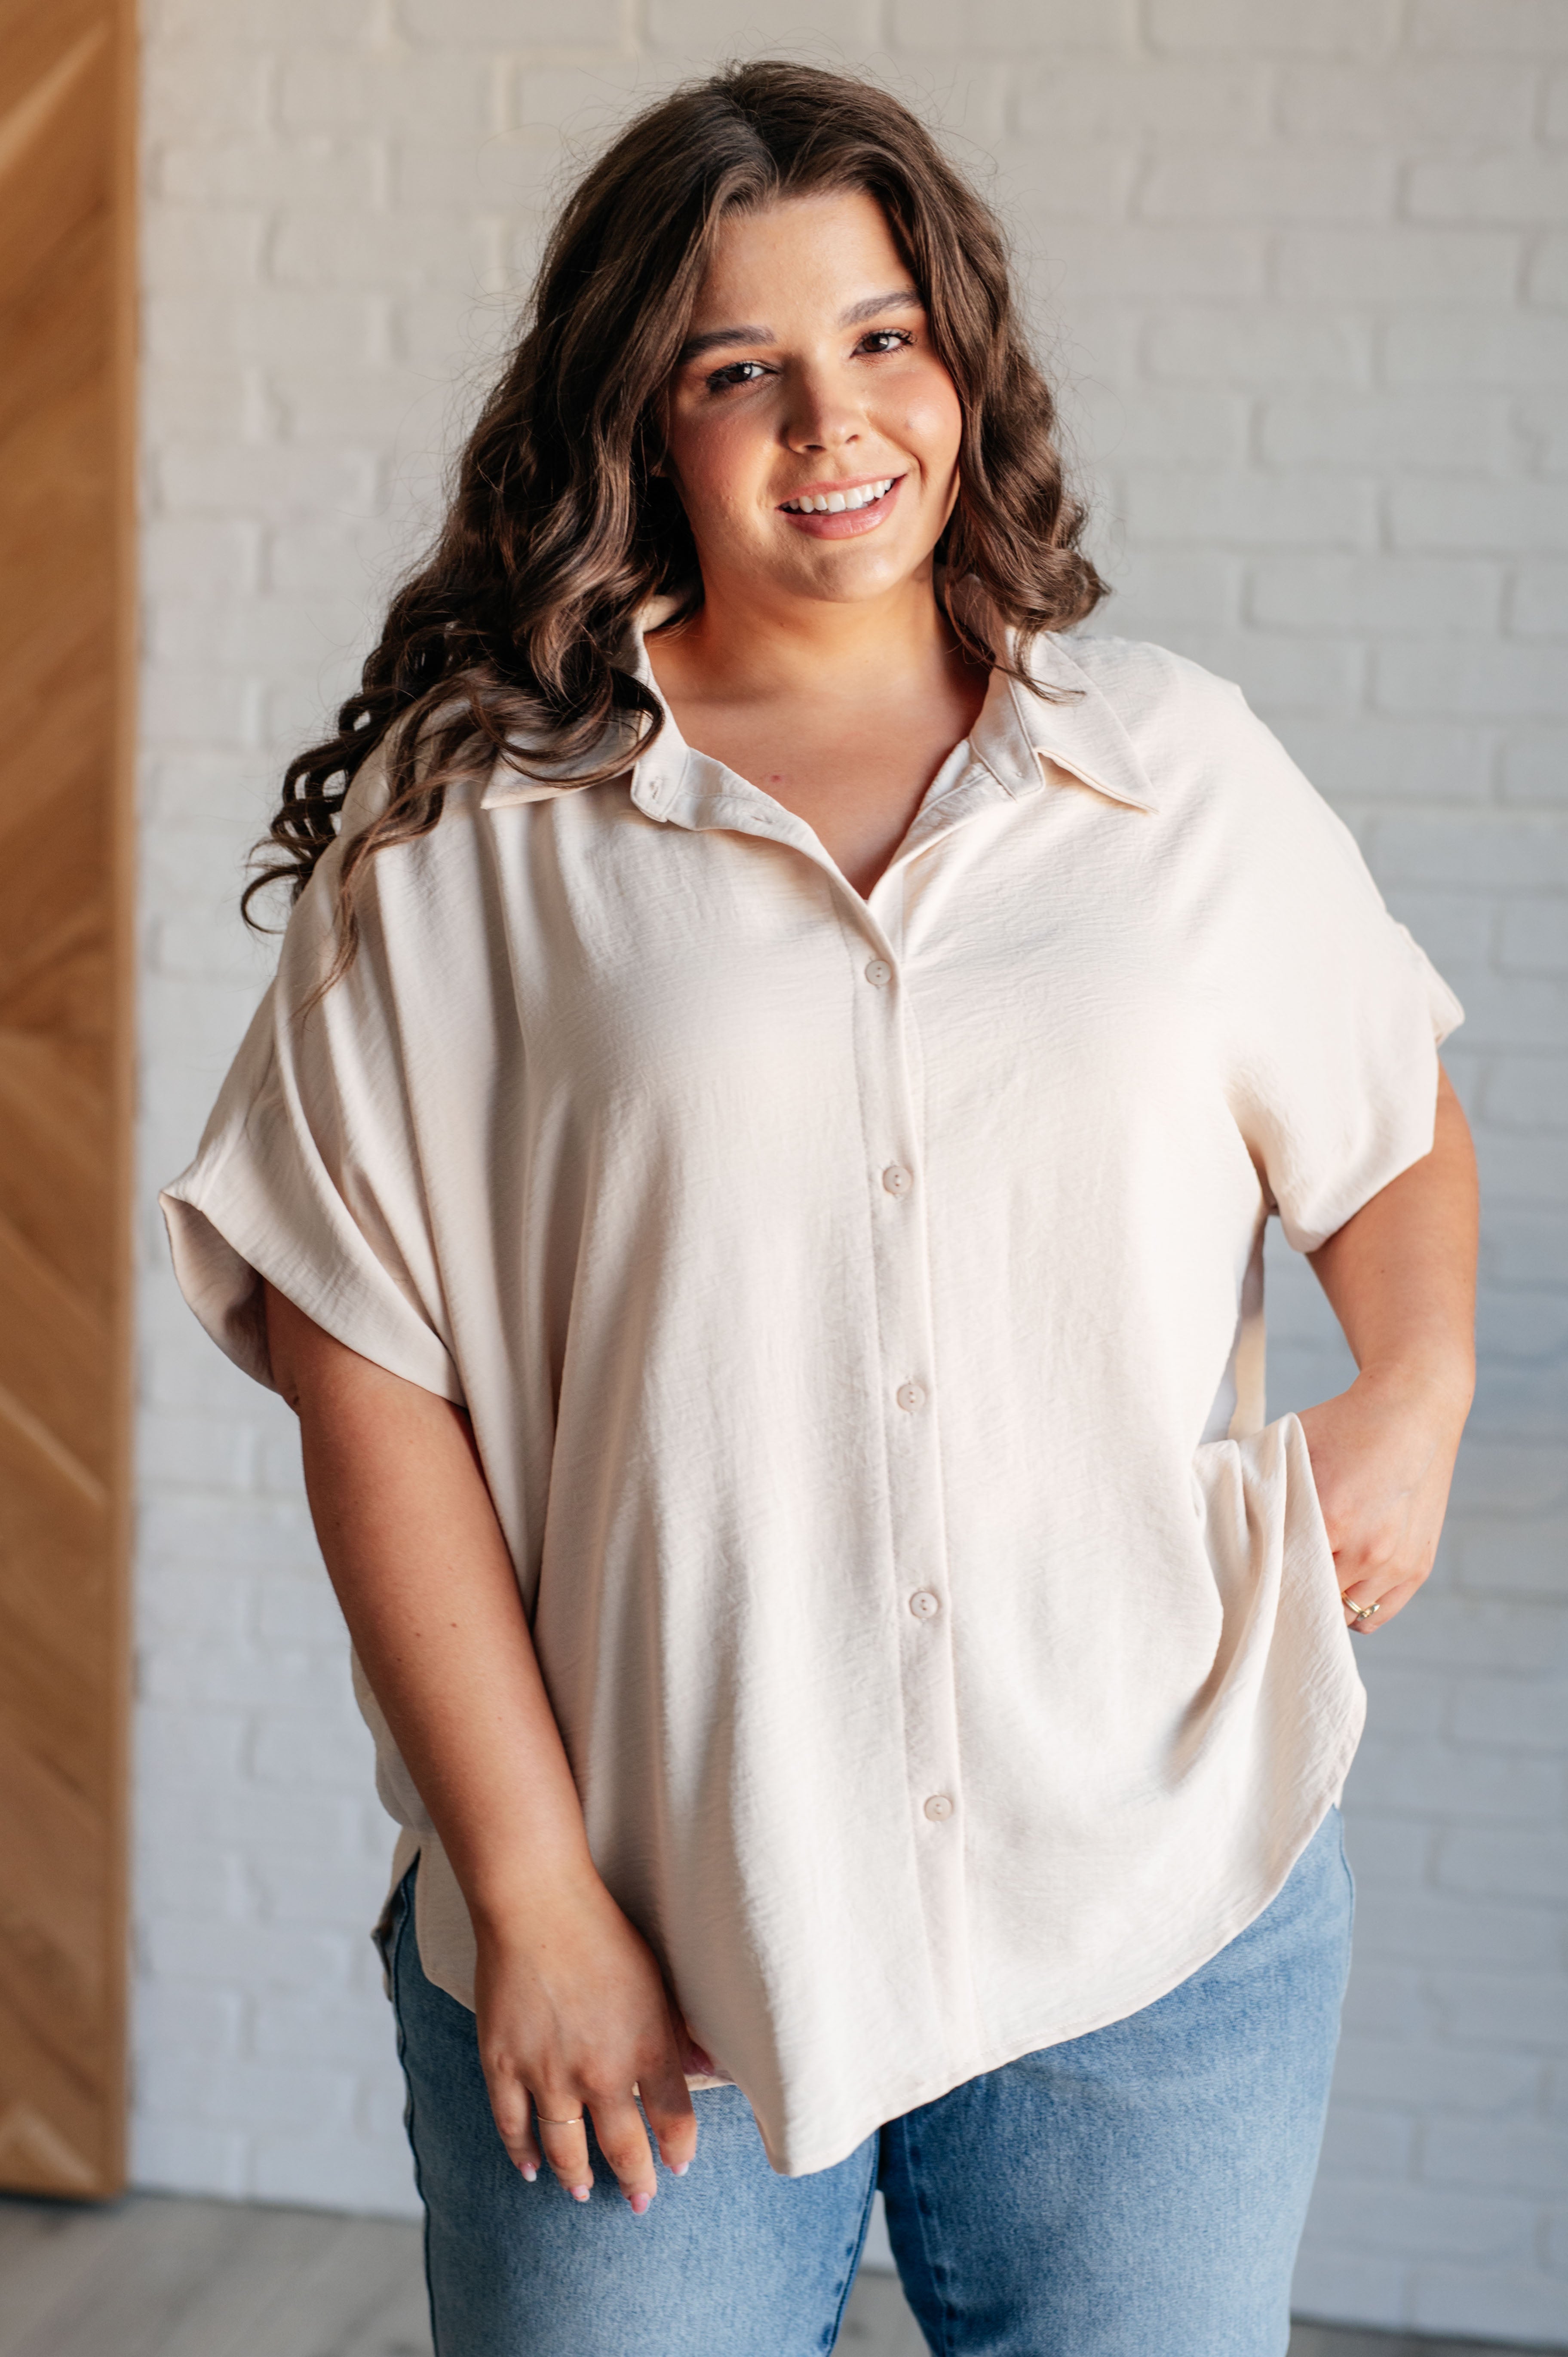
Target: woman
point(752, 1176)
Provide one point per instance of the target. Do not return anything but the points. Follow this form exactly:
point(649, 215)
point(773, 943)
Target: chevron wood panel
point(66, 303)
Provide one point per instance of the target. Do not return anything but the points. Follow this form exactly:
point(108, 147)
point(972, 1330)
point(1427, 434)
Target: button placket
point(888, 1055)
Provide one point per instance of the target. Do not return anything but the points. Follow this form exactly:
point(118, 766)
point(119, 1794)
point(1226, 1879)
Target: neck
point(745, 645)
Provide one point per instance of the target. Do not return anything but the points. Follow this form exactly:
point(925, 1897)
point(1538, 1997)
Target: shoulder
point(1150, 687)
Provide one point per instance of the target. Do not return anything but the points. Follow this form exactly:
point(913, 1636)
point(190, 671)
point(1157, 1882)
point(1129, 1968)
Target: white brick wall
point(1304, 270)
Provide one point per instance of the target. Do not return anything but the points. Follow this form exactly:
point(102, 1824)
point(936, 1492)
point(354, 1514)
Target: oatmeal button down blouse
point(859, 1307)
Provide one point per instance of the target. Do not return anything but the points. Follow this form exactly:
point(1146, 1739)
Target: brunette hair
point(559, 528)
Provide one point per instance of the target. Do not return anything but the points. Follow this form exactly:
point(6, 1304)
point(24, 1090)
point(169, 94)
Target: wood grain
point(67, 302)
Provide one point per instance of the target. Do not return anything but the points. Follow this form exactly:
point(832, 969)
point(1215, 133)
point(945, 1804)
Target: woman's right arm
point(570, 2003)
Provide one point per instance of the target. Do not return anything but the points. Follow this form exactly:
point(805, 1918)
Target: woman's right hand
point(573, 2013)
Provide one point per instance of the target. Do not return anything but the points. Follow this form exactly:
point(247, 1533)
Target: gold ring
point(546, 2122)
point(1359, 1611)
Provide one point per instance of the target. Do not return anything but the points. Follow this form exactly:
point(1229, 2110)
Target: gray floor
point(157, 2277)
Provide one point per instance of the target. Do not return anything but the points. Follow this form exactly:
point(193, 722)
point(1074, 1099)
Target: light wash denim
point(1138, 2192)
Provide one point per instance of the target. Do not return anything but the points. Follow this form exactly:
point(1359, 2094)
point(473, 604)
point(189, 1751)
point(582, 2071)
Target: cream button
point(924, 1605)
point(938, 1807)
point(879, 973)
point(897, 1179)
point(910, 1396)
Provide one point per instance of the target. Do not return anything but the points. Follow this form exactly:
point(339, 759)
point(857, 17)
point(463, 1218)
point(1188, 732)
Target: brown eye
point(737, 373)
point(887, 339)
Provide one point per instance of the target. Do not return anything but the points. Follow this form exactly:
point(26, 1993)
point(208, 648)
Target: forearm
point(421, 1570)
point(1401, 1275)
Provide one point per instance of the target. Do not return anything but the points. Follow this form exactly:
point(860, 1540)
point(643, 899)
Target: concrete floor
point(156, 2277)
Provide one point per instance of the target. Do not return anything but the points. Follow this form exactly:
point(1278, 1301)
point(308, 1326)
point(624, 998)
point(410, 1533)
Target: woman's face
point(808, 374)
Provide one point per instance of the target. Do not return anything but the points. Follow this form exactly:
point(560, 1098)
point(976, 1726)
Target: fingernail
point(640, 2202)
point(581, 2192)
point(529, 2170)
point(679, 2167)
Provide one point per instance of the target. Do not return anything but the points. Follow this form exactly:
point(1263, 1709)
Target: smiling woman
point(753, 1175)
point(565, 520)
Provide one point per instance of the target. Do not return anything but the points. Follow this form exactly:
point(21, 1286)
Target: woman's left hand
point(1382, 1459)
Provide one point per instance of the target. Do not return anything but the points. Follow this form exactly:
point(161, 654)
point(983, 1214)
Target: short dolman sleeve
point(308, 1174)
point(1335, 1063)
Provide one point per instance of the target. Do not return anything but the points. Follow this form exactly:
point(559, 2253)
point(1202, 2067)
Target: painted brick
point(1511, 186)
point(1426, 2222)
point(1363, 2143)
point(1535, 769)
point(1526, 27)
point(1373, 758)
point(1450, 2299)
point(1480, 347)
point(1430, 1928)
point(329, 176)
point(1344, 27)
point(1377, 593)
point(267, 23)
point(1019, 27)
point(1434, 675)
point(1103, 100)
point(1510, 1866)
point(1416, 2073)
point(1058, 179)
point(1520, 2156)
point(1283, 675)
point(1538, 607)
point(1541, 421)
point(329, 92)
point(172, 2156)
point(1304, 185)
point(1534, 936)
point(1436, 1779)
point(189, 246)
point(1414, 102)
point(703, 27)
point(1396, 266)
point(1505, 847)
point(1385, 430)
point(1528, 1092)
point(315, 2167)
point(1303, 509)
point(1260, 344)
point(1172, 425)
point(1144, 260)
point(499, 24)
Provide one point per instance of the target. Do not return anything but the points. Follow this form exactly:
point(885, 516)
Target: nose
point(822, 413)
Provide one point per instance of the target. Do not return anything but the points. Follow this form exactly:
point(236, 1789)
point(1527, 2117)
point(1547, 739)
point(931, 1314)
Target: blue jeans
point(1139, 2190)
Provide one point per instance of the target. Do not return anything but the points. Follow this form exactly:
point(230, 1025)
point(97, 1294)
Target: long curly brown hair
point(507, 641)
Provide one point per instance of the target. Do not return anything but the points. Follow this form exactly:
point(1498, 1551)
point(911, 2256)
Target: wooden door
point(66, 306)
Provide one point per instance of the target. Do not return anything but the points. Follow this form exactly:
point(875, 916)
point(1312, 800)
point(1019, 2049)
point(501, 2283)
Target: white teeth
point(836, 502)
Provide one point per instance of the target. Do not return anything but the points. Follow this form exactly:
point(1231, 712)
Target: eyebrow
point(900, 298)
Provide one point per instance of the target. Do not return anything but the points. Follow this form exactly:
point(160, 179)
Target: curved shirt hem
point(1013, 2050)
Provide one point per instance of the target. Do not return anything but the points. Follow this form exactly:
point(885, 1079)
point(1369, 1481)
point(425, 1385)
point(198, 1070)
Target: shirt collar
point(1052, 718)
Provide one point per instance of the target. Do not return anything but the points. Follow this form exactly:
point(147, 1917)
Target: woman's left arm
point(1401, 1277)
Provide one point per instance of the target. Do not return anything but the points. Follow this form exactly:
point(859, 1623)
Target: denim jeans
point(1138, 2191)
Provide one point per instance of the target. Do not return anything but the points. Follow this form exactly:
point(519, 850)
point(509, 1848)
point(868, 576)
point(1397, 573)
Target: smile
point(839, 502)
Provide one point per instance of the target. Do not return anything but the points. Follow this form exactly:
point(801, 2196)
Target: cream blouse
point(859, 1307)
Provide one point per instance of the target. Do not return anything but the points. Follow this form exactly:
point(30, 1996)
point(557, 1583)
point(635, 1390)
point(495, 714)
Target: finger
point(512, 2111)
point(623, 2140)
point(563, 2137)
point(1389, 1602)
point(672, 2116)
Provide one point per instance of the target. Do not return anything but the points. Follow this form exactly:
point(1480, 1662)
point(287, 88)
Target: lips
point(840, 502)
point(841, 510)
